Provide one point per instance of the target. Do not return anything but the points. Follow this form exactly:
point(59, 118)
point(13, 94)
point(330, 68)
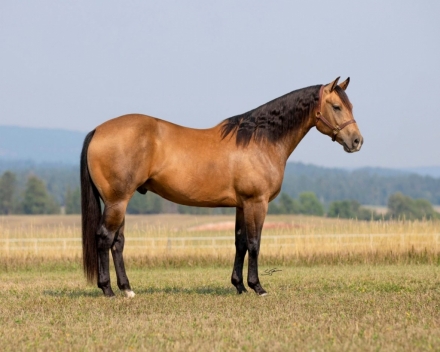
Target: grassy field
point(322, 307)
point(159, 236)
point(370, 295)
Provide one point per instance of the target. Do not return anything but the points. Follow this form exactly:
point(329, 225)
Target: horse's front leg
point(254, 215)
point(117, 249)
point(240, 251)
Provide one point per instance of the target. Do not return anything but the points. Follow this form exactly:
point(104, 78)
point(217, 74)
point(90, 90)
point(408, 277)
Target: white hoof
point(263, 294)
point(129, 293)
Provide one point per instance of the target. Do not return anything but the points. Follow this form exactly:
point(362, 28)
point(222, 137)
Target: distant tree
point(310, 204)
point(401, 206)
point(73, 201)
point(149, 203)
point(284, 205)
point(425, 209)
point(7, 191)
point(345, 209)
point(273, 208)
point(307, 204)
point(368, 214)
point(288, 205)
point(351, 209)
point(37, 200)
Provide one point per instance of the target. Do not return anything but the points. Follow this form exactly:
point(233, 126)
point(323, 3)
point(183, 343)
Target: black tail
point(91, 216)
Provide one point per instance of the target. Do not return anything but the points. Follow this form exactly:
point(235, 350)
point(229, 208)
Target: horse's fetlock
point(252, 283)
point(235, 280)
point(124, 287)
point(253, 252)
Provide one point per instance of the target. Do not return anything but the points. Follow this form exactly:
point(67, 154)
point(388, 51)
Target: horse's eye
point(336, 107)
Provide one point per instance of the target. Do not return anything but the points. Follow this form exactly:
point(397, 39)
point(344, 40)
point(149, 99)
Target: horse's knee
point(105, 238)
point(253, 249)
point(240, 243)
point(118, 243)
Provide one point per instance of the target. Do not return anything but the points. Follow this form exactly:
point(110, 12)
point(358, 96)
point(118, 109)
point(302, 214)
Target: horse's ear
point(331, 86)
point(344, 84)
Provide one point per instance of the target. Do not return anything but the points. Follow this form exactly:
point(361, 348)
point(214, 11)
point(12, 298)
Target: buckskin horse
point(238, 163)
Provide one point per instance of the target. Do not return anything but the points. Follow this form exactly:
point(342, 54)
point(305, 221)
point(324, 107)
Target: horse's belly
point(193, 191)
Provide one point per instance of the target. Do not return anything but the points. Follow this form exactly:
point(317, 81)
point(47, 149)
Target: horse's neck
point(291, 140)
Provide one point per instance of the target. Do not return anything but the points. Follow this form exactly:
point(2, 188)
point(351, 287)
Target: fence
point(280, 243)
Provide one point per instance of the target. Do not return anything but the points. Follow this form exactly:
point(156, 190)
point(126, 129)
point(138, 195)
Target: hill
point(40, 145)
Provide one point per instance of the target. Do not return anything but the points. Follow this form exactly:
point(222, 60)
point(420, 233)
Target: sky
point(73, 65)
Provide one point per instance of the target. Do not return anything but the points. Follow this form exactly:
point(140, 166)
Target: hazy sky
point(73, 65)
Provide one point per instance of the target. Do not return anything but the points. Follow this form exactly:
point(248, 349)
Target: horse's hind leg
point(240, 251)
point(117, 249)
point(112, 220)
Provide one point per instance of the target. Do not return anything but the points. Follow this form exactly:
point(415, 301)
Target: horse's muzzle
point(354, 145)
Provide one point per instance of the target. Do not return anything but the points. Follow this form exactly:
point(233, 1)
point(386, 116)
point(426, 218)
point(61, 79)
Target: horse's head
point(334, 116)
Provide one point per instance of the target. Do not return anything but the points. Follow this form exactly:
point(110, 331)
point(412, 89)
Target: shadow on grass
point(73, 293)
point(214, 291)
point(205, 290)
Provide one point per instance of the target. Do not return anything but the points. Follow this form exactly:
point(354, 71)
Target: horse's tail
point(91, 216)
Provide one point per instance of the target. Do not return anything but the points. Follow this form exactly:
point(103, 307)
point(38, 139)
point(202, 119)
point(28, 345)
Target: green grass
point(191, 308)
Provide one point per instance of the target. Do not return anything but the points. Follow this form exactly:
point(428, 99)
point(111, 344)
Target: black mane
point(274, 119)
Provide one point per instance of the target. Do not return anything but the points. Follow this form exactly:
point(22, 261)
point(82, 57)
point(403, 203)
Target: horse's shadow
point(72, 293)
point(205, 290)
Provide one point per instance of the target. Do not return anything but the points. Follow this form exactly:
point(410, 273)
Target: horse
point(238, 163)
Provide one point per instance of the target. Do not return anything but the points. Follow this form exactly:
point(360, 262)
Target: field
point(344, 285)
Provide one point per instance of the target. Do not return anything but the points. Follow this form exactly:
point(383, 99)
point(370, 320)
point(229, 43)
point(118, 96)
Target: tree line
point(33, 200)
point(366, 186)
point(36, 199)
point(400, 206)
point(372, 186)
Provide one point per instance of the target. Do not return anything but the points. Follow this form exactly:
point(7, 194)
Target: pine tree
point(7, 190)
point(73, 201)
point(37, 200)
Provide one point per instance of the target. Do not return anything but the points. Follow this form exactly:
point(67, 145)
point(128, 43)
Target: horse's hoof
point(108, 293)
point(129, 293)
point(259, 290)
point(241, 289)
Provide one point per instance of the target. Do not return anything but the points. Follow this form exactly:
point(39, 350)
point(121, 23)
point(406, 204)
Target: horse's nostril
point(356, 141)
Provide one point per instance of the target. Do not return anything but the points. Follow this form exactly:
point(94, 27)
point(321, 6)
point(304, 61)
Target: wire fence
point(138, 245)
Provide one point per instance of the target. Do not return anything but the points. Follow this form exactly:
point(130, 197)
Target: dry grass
point(332, 293)
point(165, 236)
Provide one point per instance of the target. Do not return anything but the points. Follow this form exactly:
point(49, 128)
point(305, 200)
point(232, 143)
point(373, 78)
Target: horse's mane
point(274, 119)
